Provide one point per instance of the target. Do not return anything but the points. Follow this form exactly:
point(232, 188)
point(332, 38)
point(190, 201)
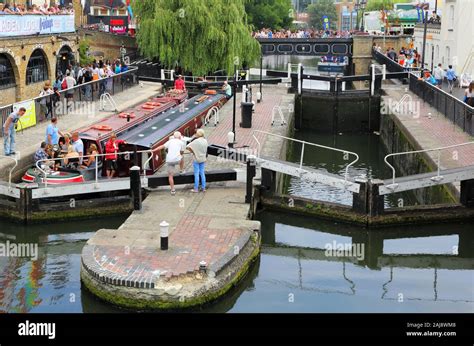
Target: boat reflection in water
point(410, 269)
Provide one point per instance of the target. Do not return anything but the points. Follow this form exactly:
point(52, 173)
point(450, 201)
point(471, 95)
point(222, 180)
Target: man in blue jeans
point(198, 148)
point(9, 131)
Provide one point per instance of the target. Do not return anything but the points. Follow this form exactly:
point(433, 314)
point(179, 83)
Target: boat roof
point(119, 124)
point(170, 121)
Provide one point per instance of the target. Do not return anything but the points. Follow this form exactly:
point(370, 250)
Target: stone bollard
point(136, 187)
point(251, 172)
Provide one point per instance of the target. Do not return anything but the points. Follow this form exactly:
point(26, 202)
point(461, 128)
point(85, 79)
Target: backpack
point(64, 84)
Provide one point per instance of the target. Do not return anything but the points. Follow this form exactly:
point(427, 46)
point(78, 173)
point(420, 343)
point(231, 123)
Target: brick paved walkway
point(211, 227)
point(434, 131)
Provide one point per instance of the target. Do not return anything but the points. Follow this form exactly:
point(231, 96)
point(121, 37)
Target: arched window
point(7, 76)
point(37, 70)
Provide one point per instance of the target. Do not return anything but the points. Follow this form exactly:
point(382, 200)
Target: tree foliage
point(320, 9)
point(200, 36)
point(377, 5)
point(273, 14)
point(84, 59)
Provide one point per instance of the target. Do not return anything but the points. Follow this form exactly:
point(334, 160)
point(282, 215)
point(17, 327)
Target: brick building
point(32, 49)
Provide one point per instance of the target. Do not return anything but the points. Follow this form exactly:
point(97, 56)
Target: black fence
point(392, 66)
point(454, 109)
point(75, 98)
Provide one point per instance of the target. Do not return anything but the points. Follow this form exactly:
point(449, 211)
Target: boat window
point(186, 132)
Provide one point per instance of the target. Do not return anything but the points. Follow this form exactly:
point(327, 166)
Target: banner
point(326, 23)
point(13, 25)
point(29, 119)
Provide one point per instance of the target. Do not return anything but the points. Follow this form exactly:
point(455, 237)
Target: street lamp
point(363, 3)
point(356, 8)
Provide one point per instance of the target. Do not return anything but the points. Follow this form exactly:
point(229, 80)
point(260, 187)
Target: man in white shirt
point(439, 75)
point(174, 157)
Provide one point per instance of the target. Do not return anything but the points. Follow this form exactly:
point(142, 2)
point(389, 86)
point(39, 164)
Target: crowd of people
point(406, 57)
point(306, 33)
point(79, 75)
point(45, 9)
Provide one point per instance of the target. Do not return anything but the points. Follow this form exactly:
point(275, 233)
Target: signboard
point(118, 26)
point(13, 25)
point(29, 119)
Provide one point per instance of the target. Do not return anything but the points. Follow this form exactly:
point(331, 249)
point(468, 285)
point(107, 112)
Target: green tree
point(200, 36)
point(377, 5)
point(273, 14)
point(84, 59)
point(320, 9)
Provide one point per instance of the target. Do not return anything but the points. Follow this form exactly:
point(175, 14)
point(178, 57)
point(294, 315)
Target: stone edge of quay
point(149, 299)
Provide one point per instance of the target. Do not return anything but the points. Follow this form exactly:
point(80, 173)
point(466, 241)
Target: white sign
point(13, 25)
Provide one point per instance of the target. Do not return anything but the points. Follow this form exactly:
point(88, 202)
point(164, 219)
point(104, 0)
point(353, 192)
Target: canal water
point(418, 269)
point(406, 269)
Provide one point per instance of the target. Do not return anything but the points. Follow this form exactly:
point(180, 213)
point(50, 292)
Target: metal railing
point(392, 66)
point(457, 111)
point(11, 170)
point(437, 177)
point(57, 105)
point(275, 110)
point(213, 112)
point(304, 143)
point(42, 164)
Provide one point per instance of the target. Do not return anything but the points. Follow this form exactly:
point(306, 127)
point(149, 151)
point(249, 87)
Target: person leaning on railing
point(91, 158)
point(469, 95)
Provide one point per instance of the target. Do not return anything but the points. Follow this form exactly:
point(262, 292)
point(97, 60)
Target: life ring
point(127, 115)
point(147, 107)
point(102, 127)
point(210, 92)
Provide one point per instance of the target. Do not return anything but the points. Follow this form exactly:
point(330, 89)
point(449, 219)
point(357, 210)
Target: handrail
point(11, 170)
point(346, 175)
point(438, 177)
point(131, 69)
point(38, 163)
point(280, 112)
point(454, 98)
point(213, 111)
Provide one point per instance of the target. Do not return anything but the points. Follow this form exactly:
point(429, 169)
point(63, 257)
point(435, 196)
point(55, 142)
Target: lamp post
point(356, 8)
point(235, 102)
point(425, 32)
point(363, 3)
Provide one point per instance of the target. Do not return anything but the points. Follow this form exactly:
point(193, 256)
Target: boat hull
point(57, 178)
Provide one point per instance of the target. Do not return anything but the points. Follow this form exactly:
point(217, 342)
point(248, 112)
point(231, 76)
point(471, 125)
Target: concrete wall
point(396, 140)
point(362, 49)
point(318, 112)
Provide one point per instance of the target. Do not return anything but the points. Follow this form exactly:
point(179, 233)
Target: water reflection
point(418, 269)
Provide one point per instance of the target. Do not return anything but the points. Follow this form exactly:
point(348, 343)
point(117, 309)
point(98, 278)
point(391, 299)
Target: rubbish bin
point(247, 109)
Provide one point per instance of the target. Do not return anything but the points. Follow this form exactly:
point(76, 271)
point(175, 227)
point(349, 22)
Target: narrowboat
point(334, 64)
point(99, 133)
point(151, 126)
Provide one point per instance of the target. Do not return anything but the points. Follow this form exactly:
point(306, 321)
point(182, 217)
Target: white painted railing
point(42, 165)
point(107, 98)
point(277, 110)
point(214, 112)
point(438, 177)
point(15, 161)
point(304, 144)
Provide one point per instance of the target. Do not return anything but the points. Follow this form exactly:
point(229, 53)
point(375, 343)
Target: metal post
point(136, 187)
point(300, 79)
point(251, 172)
point(302, 156)
point(235, 102)
point(424, 41)
point(261, 77)
point(432, 59)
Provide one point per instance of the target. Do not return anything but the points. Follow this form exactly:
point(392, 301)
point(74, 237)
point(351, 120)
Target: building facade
point(346, 15)
point(450, 42)
point(32, 49)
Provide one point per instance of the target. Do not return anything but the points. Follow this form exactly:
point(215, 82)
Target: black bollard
point(251, 172)
point(136, 187)
point(164, 234)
